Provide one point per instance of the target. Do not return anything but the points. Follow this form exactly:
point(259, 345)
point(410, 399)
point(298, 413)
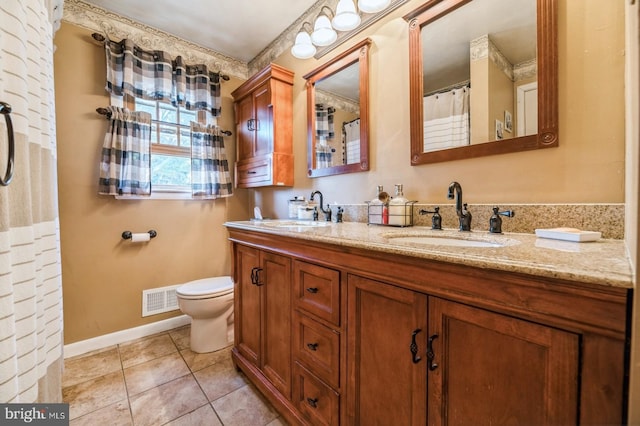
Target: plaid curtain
point(210, 176)
point(324, 156)
point(154, 75)
point(196, 88)
point(324, 122)
point(125, 168)
point(137, 72)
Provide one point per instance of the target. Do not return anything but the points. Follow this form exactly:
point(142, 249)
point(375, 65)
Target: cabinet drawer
point(318, 291)
point(316, 400)
point(318, 348)
point(253, 172)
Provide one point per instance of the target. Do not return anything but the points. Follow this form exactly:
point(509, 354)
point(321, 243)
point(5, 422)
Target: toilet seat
point(206, 288)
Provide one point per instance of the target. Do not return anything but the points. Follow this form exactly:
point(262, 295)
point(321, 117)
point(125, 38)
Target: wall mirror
point(338, 114)
point(483, 78)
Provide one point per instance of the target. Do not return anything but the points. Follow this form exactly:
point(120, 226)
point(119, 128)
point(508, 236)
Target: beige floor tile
point(167, 402)
point(94, 394)
point(220, 379)
point(142, 350)
point(86, 367)
point(197, 361)
point(278, 422)
point(150, 374)
point(180, 337)
point(117, 414)
point(203, 416)
point(244, 406)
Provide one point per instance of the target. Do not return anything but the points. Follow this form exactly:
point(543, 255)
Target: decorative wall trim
point(106, 340)
point(337, 101)
point(116, 27)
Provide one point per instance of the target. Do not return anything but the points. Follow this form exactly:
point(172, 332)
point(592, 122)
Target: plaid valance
point(155, 75)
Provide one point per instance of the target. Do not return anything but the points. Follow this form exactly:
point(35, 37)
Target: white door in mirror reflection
point(527, 109)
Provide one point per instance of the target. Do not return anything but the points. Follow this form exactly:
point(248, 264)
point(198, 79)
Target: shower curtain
point(30, 272)
point(352, 141)
point(446, 119)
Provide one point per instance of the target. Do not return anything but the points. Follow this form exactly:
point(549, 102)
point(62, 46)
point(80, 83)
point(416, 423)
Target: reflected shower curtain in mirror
point(30, 272)
point(125, 168)
point(446, 119)
point(351, 132)
point(210, 176)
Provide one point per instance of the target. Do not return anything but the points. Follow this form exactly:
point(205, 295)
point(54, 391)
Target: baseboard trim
point(106, 340)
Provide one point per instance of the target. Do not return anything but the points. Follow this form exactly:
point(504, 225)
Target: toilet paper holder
point(126, 235)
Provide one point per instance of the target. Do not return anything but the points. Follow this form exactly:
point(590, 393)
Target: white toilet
point(209, 303)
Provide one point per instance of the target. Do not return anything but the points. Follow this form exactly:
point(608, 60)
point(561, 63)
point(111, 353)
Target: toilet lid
point(208, 287)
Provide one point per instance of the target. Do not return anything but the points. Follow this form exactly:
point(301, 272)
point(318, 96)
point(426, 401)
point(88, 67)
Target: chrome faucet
point(464, 215)
point(327, 212)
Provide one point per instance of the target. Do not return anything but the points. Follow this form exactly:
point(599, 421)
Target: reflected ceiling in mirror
point(337, 114)
point(483, 77)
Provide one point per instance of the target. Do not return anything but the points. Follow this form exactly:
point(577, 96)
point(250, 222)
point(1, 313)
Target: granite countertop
point(604, 262)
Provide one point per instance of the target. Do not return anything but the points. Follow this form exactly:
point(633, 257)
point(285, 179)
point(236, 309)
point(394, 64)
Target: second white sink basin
point(444, 241)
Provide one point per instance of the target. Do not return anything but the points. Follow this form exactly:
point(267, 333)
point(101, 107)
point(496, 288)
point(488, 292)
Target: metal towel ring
point(5, 109)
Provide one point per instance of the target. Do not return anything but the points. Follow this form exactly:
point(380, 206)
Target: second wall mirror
point(338, 114)
point(483, 78)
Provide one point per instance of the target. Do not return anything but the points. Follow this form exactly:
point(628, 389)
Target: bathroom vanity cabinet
point(264, 120)
point(262, 314)
point(385, 338)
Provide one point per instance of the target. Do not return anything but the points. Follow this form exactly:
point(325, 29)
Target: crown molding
point(114, 26)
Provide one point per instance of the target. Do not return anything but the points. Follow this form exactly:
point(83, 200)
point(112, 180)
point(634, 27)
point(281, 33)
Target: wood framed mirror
point(483, 78)
point(338, 114)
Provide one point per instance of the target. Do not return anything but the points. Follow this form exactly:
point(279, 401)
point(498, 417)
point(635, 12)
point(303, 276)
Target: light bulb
point(373, 6)
point(323, 34)
point(303, 49)
point(347, 17)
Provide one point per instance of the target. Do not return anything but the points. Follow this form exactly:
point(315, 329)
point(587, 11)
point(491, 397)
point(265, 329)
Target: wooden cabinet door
point(276, 320)
point(492, 369)
point(244, 110)
point(263, 124)
point(247, 304)
point(387, 382)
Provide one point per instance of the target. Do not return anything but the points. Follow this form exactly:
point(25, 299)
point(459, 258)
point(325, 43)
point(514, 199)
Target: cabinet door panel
point(494, 369)
point(276, 361)
point(263, 125)
point(246, 136)
point(247, 304)
point(386, 387)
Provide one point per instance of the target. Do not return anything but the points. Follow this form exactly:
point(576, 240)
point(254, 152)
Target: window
point(170, 144)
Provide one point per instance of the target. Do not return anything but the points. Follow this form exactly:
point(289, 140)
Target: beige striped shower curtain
point(30, 272)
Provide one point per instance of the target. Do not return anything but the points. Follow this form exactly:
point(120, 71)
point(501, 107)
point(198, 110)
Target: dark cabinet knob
point(312, 346)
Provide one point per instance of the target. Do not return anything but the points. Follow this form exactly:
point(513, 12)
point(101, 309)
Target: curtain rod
point(101, 39)
point(107, 113)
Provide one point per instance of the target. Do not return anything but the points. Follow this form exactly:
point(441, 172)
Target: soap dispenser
point(399, 212)
point(375, 207)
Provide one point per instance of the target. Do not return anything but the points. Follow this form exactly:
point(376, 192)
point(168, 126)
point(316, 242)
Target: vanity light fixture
point(373, 6)
point(347, 17)
point(303, 48)
point(323, 33)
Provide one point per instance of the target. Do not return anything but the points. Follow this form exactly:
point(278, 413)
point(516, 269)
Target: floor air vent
point(159, 300)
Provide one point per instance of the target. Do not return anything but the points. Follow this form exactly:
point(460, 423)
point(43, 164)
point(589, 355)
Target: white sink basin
point(449, 240)
point(292, 223)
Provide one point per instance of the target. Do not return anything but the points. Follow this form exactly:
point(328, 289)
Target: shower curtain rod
point(107, 113)
point(101, 39)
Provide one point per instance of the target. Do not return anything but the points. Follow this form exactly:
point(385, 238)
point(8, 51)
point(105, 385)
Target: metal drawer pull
point(312, 402)
point(312, 289)
point(255, 276)
point(5, 109)
point(413, 347)
point(430, 355)
point(312, 346)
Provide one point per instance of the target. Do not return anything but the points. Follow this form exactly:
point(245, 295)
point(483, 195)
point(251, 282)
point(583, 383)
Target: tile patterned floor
point(158, 380)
